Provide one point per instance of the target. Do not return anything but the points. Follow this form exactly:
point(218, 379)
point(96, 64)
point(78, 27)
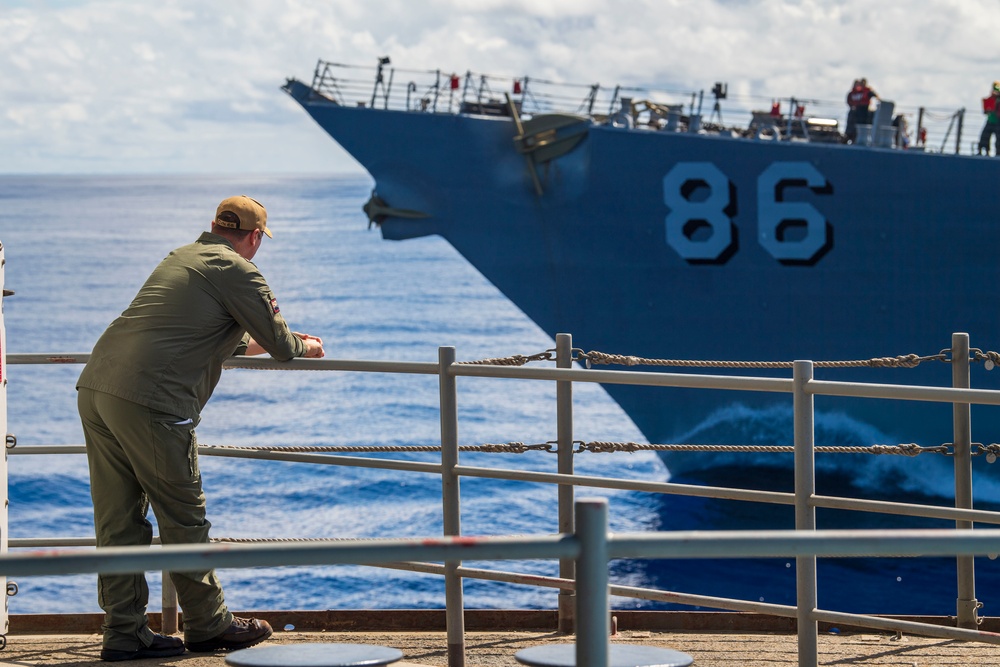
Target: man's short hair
point(230, 225)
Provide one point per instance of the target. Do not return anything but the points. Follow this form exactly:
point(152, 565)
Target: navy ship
point(647, 226)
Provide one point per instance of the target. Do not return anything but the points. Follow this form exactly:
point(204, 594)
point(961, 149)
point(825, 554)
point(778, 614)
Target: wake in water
point(861, 585)
point(892, 476)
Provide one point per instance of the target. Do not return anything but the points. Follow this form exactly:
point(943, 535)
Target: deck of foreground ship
point(721, 640)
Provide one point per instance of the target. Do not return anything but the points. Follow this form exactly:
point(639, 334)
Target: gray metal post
point(967, 605)
point(454, 603)
point(168, 617)
point(3, 460)
point(805, 513)
point(564, 423)
point(593, 629)
point(958, 132)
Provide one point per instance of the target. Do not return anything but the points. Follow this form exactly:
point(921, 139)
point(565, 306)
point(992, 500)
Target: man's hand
point(314, 345)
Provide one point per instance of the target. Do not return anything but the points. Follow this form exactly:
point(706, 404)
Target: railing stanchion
point(593, 625)
point(4, 523)
point(168, 595)
point(450, 496)
point(805, 514)
point(564, 425)
point(967, 605)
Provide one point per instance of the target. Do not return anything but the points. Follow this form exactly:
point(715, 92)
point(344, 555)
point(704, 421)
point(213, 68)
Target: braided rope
point(900, 361)
point(910, 449)
point(513, 360)
point(504, 448)
point(248, 540)
point(605, 447)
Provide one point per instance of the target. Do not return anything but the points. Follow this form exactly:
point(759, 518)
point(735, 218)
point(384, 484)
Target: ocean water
point(77, 249)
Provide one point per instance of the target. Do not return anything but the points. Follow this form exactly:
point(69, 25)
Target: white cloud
point(113, 85)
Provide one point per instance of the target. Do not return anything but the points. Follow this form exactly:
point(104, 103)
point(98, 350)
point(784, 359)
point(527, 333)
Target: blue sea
point(78, 248)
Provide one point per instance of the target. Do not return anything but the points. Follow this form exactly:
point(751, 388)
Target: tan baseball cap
point(249, 212)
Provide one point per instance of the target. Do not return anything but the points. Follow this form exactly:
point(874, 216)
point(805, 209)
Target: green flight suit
point(140, 399)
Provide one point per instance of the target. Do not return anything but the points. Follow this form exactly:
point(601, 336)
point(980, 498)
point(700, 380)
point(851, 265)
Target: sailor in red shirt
point(859, 99)
point(991, 107)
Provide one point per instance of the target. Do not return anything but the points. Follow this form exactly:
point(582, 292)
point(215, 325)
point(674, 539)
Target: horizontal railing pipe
point(194, 557)
point(32, 450)
point(46, 542)
point(645, 378)
point(49, 358)
point(821, 543)
point(322, 459)
point(914, 627)
point(257, 363)
point(729, 604)
point(353, 365)
point(679, 380)
point(721, 493)
point(906, 509)
point(629, 485)
point(903, 392)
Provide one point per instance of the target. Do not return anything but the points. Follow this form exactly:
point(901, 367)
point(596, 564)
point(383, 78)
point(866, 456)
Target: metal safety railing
point(805, 543)
point(803, 388)
point(590, 547)
point(924, 128)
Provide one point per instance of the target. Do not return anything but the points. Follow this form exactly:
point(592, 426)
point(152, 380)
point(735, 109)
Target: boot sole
point(221, 645)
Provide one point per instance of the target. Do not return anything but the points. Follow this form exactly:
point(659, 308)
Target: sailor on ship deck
point(859, 100)
point(991, 107)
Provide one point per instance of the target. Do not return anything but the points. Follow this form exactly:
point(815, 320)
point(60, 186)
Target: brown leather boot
point(243, 632)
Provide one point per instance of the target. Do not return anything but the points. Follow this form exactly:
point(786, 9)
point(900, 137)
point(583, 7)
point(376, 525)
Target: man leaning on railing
point(140, 399)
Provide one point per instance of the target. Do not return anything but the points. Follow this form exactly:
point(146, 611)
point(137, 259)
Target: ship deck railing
point(805, 542)
point(719, 110)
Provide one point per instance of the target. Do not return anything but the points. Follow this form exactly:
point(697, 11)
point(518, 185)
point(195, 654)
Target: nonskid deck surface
point(489, 649)
point(713, 639)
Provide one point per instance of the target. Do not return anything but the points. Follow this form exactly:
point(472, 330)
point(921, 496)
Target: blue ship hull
point(680, 245)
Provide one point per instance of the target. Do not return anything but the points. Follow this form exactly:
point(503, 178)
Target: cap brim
point(268, 232)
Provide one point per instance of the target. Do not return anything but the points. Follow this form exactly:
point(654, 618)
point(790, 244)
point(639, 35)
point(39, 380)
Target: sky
point(193, 86)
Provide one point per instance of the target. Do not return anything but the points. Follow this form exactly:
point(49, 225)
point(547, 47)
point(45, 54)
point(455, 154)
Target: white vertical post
point(4, 625)
point(450, 498)
point(805, 514)
point(593, 625)
point(564, 425)
point(168, 615)
point(967, 605)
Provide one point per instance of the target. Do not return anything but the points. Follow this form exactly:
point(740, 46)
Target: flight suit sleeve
point(253, 305)
point(241, 347)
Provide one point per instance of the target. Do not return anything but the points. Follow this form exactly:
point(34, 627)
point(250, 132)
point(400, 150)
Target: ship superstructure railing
point(719, 110)
point(803, 544)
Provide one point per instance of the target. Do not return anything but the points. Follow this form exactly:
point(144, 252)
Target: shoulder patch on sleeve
point(270, 301)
